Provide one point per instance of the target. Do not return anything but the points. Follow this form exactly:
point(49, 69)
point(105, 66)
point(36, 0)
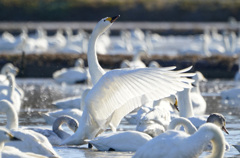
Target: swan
point(31, 141)
point(120, 141)
point(157, 119)
point(50, 117)
point(154, 64)
point(71, 102)
point(118, 92)
point(215, 118)
point(9, 93)
point(73, 75)
point(180, 144)
point(198, 102)
point(136, 61)
point(10, 152)
point(56, 135)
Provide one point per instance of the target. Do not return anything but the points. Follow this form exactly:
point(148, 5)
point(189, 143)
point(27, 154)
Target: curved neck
point(12, 86)
point(57, 127)
point(204, 135)
point(96, 71)
point(11, 113)
point(185, 104)
point(188, 126)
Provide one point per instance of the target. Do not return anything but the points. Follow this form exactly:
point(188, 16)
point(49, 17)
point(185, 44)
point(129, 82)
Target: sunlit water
point(41, 92)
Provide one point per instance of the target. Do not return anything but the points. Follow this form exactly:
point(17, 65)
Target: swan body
point(11, 152)
point(179, 144)
point(113, 96)
point(136, 61)
point(120, 141)
point(76, 102)
point(9, 93)
point(72, 75)
point(57, 134)
point(198, 102)
point(31, 141)
point(231, 96)
point(50, 117)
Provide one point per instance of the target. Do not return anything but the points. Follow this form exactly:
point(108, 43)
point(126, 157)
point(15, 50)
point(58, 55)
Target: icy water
point(41, 92)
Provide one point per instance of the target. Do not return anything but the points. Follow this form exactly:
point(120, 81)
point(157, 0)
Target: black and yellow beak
point(176, 105)
point(12, 138)
point(112, 19)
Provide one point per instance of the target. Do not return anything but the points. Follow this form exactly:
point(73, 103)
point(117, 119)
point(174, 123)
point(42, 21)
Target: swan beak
point(225, 130)
point(12, 138)
point(176, 105)
point(114, 18)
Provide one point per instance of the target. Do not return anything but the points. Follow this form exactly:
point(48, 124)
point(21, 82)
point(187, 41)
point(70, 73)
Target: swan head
point(219, 120)
point(6, 136)
point(173, 101)
point(104, 24)
point(79, 63)
point(73, 124)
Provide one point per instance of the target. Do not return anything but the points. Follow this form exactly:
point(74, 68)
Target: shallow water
point(41, 92)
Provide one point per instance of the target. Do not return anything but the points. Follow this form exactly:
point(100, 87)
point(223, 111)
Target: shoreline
point(43, 65)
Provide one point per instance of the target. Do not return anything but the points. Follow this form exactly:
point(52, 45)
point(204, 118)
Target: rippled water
point(41, 92)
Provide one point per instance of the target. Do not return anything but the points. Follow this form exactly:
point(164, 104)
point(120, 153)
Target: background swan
point(118, 92)
point(10, 152)
point(136, 61)
point(120, 141)
point(72, 75)
point(72, 102)
point(180, 144)
point(9, 92)
point(198, 102)
point(57, 134)
point(31, 141)
point(50, 117)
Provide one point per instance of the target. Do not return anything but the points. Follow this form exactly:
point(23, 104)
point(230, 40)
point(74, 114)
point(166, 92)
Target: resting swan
point(31, 141)
point(180, 144)
point(57, 134)
point(10, 152)
point(120, 91)
point(120, 141)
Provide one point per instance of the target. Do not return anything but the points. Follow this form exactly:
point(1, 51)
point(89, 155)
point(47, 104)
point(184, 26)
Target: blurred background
point(165, 29)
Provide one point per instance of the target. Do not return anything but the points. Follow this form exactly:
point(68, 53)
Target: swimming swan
point(180, 144)
point(10, 152)
point(120, 91)
point(120, 141)
point(57, 134)
point(31, 141)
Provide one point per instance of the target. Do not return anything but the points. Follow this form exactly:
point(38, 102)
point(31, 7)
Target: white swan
point(73, 75)
point(50, 117)
point(198, 102)
point(72, 102)
point(136, 61)
point(7, 68)
point(31, 141)
point(120, 141)
point(57, 134)
point(9, 93)
point(10, 152)
point(157, 119)
point(118, 92)
point(215, 118)
point(180, 144)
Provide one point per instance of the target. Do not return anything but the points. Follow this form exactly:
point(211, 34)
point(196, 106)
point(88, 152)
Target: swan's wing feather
point(137, 86)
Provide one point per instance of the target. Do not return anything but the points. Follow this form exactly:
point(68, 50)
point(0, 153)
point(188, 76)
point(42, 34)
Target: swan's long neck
point(88, 129)
point(202, 138)
point(96, 71)
point(188, 126)
point(57, 127)
point(185, 104)
point(12, 117)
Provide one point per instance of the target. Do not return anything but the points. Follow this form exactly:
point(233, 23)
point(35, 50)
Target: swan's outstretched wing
point(129, 89)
